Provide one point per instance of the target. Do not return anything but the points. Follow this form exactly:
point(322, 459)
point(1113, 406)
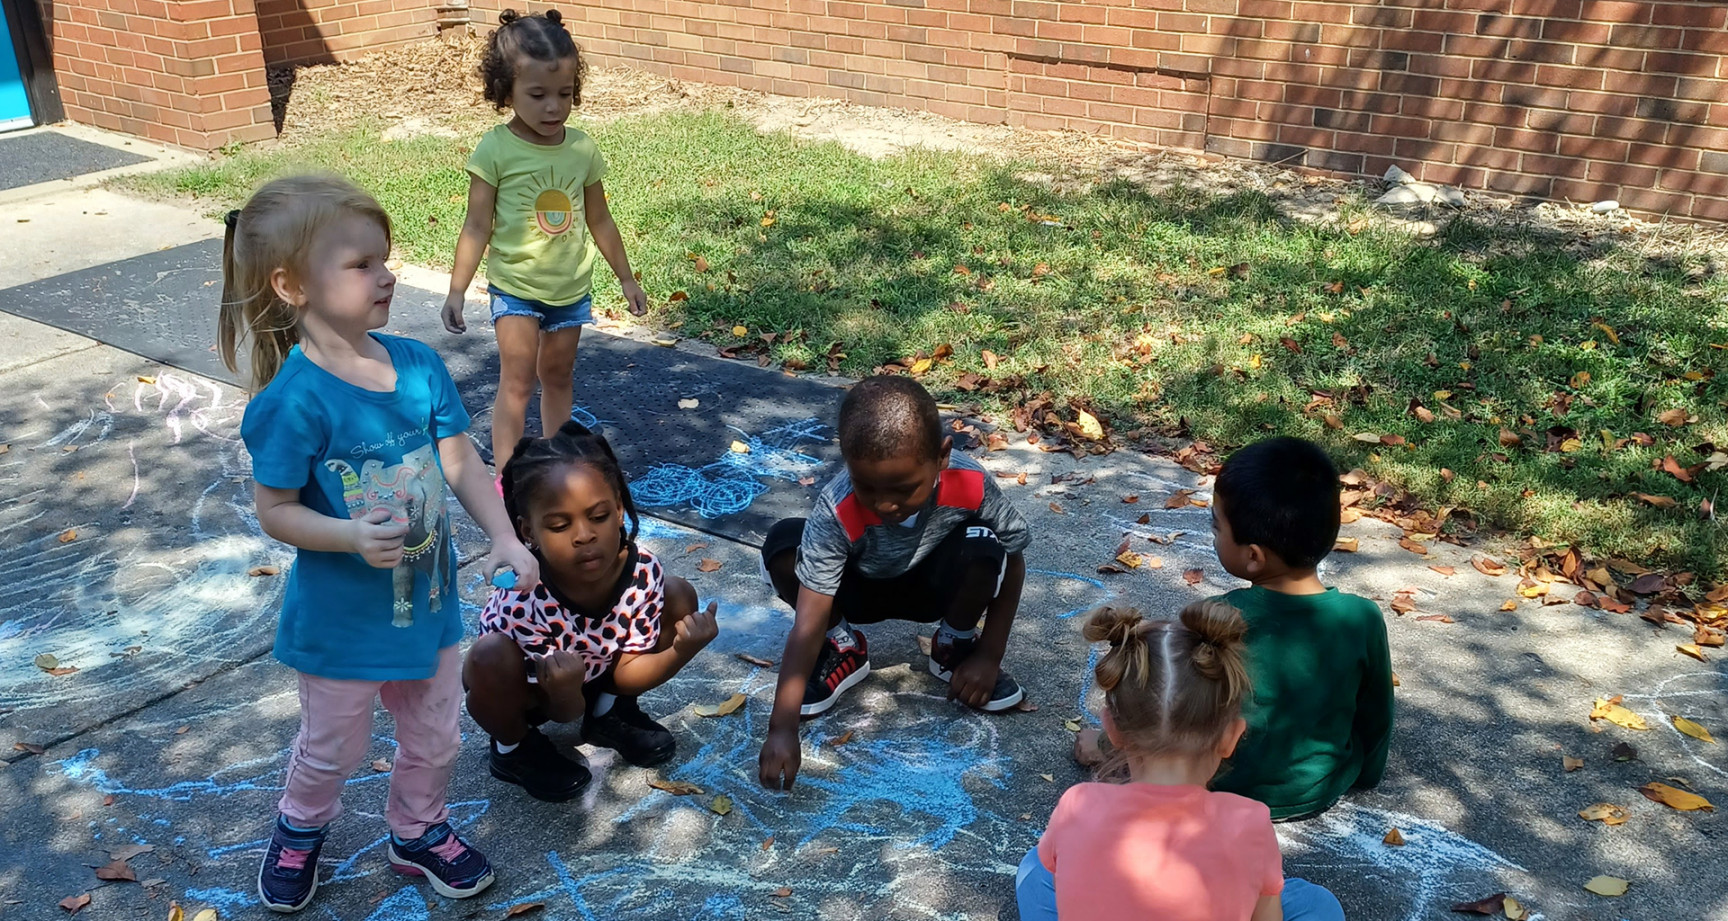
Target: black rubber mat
point(41, 156)
point(731, 464)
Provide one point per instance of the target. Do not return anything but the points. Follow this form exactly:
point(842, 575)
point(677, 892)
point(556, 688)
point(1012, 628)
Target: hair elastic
point(232, 218)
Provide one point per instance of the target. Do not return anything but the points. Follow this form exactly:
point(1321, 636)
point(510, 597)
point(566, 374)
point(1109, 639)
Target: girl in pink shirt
point(1162, 845)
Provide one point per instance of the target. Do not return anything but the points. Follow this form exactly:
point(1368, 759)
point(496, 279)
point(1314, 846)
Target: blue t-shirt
point(350, 451)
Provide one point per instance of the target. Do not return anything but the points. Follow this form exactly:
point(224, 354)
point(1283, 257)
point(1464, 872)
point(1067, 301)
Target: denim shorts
point(552, 319)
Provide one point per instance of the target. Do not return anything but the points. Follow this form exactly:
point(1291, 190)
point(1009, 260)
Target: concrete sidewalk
point(171, 734)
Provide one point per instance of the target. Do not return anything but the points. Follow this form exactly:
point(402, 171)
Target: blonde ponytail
point(275, 230)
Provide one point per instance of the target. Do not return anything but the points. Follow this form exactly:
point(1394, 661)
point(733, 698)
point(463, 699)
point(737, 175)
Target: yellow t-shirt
point(540, 249)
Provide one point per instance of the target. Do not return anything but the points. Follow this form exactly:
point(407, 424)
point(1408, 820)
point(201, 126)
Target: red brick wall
point(321, 31)
point(1569, 99)
point(186, 72)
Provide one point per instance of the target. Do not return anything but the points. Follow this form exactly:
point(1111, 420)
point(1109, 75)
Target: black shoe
point(836, 671)
point(631, 733)
point(537, 766)
point(288, 877)
point(946, 654)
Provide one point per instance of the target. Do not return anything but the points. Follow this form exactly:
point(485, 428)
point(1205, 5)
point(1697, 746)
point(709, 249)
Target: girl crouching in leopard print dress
point(604, 625)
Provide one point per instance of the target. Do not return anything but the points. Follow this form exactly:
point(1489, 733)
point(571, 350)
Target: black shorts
point(922, 594)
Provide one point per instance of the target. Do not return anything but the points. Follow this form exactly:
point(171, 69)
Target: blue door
point(14, 102)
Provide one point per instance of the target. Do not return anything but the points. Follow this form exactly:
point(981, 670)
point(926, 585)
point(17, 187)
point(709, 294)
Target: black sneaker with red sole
point(836, 671)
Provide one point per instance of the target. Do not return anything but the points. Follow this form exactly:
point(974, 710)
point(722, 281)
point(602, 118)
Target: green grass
point(1118, 301)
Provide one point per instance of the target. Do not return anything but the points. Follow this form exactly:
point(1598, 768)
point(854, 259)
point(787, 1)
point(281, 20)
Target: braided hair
point(542, 37)
point(574, 443)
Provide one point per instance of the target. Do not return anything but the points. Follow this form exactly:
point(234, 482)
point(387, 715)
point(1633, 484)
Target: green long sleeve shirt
point(1320, 718)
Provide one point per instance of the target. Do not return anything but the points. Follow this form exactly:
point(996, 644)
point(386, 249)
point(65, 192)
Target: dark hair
point(536, 458)
point(1172, 686)
point(889, 416)
point(1282, 493)
point(541, 37)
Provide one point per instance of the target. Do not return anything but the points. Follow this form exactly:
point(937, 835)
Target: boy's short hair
point(889, 416)
point(1282, 493)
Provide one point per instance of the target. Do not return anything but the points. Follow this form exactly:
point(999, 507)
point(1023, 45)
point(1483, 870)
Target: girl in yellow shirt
point(537, 208)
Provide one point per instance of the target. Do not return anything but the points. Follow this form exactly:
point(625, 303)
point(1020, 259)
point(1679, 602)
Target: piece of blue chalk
point(504, 578)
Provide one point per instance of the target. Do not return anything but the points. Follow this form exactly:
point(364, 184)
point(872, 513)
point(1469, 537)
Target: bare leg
point(518, 343)
point(499, 696)
point(554, 367)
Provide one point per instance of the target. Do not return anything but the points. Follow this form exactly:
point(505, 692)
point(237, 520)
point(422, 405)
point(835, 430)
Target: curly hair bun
point(555, 17)
point(1112, 625)
point(1129, 657)
point(508, 16)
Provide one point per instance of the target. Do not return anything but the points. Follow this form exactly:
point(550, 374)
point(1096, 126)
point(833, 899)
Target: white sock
point(506, 749)
point(602, 703)
point(841, 634)
point(943, 629)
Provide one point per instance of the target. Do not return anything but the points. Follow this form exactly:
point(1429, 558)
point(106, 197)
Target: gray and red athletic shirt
point(841, 530)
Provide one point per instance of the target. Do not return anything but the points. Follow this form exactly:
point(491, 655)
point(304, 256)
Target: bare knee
point(494, 661)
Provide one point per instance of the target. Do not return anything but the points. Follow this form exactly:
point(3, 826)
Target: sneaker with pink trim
point(288, 878)
point(455, 870)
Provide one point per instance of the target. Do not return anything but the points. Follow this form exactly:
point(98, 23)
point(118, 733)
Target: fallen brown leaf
point(1570, 763)
point(74, 903)
point(1438, 618)
point(1614, 713)
point(116, 872)
point(1623, 751)
point(1610, 886)
point(1178, 499)
point(708, 565)
point(675, 787)
point(1488, 905)
point(1673, 417)
point(1692, 650)
point(1655, 501)
point(782, 892)
point(1193, 576)
point(1412, 546)
point(526, 908)
point(692, 548)
point(69, 535)
point(1347, 545)
point(1672, 466)
point(1057, 509)
point(726, 707)
point(1444, 570)
point(1606, 813)
point(1394, 838)
point(263, 571)
point(1675, 798)
point(754, 660)
point(842, 739)
point(1488, 565)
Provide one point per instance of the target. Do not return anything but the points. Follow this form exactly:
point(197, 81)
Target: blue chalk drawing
point(1094, 595)
point(228, 900)
point(405, 904)
point(728, 485)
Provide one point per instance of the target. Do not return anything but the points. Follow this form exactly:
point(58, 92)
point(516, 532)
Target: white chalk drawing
point(1685, 695)
point(135, 610)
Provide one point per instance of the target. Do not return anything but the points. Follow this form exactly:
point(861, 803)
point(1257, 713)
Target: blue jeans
point(551, 319)
point(1035, 889)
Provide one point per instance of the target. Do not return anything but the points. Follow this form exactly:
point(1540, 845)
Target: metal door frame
point(35, 60)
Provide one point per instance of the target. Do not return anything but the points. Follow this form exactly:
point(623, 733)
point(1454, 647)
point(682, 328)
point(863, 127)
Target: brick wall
point(321, 31)
point(186, 72)
point(1569, 99)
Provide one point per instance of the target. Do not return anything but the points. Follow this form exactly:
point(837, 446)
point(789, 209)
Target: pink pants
point(336, 731)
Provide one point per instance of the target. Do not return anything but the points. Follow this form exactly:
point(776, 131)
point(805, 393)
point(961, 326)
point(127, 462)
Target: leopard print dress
point(540, 623)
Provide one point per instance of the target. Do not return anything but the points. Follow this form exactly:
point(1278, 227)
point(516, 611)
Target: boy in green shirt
point(1320, 718)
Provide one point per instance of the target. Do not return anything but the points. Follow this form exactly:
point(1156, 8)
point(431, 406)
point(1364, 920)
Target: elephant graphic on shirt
point(412, 492)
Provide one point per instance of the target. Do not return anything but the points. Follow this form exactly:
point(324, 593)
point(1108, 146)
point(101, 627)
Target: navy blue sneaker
point(455, 870)
point(288, 878)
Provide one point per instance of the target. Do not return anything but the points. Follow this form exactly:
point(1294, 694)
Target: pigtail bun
point(1218, 654)
point(507, 17)
point(554, 17)
point(1129, 657)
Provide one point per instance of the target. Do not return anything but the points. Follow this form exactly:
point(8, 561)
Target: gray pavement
point(172, 733)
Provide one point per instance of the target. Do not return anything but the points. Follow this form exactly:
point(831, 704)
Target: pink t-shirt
point(1173, 853)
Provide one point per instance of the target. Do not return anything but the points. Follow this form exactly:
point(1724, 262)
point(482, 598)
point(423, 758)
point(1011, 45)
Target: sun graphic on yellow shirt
point(553, 210)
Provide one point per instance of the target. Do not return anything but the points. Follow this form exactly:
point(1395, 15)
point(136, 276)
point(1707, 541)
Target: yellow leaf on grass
point(1675, 798)
point(740, 331)
point(922, 366)
point(1606, 813)
point(1693, 729)
point(1607, 331)
point(1607, 885)
point(1090, 427)
point(726, 707)
point(1618, 715)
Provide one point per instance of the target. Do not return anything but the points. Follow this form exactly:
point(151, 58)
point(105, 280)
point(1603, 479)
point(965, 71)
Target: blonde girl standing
point(354, 438)
point(537, 208)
